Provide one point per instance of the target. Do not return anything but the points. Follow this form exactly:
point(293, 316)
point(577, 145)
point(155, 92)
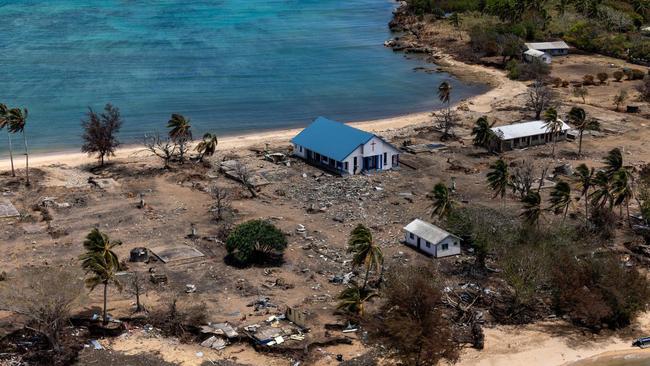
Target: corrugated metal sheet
point(524, 129)
point(333, 139)
point(426, 231)
point(557, 45)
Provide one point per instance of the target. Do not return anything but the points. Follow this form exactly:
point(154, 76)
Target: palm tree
point(442, 203)
point(180, 131)
point(17, 121)
point(532, 208)
point(483, 134)
point(102, 263)
point(208, 146)
point(499, 179)
point(585, 179)
point(553, 125)
point(352, 299)
point(622, 191)
point(578, 117)
point(365, 251)
point(613, 161)
point(4, 122)
point(603, 192)
point(444, 93)
point(560, 199)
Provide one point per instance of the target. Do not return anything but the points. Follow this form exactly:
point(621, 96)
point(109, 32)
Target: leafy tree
point(365, 252)
point(602, 77)
point(17, 122)
point(254, 241)
point(581, 92)
point(619, 99)
point(483, 134)
point(553, 125)
point(352, 300)
point(4, 122)
point(499, 179)
point(100, 132)
point(442, 202)
point(410, 324)
point(180, 132)
point(578, 117)
point(585, 180)
point(455, 20)
point(101, 262)
point(532, 210)
point(560, 199)
point(618, 75)
point(208, 146)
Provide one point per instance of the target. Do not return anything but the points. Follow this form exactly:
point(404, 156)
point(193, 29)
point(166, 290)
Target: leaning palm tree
point(442, 202)
point(622, 190)
point(180, 132)
point(352, 300)
point(17, 120)
point(365, 252)
point(578, 117)
point(602, 194)
point(560, 199)
point(532, 210)
point(444, 93)
point(585, 180)
point(553, 125)
point(101, 262)
point(482, 132)
point(208, 146)
point(613, 162)
point(499, 179)
point(4, 122)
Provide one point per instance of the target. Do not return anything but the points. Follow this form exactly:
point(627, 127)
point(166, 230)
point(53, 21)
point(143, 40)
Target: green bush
point(256, 241)
point(446, 6)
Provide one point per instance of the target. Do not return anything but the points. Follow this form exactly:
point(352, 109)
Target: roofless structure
point(342, 149)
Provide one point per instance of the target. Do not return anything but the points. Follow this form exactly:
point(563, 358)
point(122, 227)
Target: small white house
point(343, 149)
point(524, 134)
point(531, 55)
point(556, 48)
point(431, 239)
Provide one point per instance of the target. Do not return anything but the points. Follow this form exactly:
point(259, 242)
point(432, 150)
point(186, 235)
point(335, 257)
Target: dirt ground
point(299, 194)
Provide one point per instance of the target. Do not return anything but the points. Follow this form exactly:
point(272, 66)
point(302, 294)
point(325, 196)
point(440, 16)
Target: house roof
point(557, 45)
point(524, 129)
point(333, 139)
point(426, 231)
point(535, 53)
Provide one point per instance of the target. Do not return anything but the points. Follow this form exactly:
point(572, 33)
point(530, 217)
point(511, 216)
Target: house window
point(385, 158)
point(346, 166)
point(300, 148)
point(445, 246)
point(411, 236)
point(428, 245)
point(395, 160)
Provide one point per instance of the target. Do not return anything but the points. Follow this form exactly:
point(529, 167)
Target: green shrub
point(602, 77)
point(256, 241)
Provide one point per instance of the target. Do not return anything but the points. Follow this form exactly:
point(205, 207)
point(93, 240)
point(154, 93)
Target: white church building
point(342, 149)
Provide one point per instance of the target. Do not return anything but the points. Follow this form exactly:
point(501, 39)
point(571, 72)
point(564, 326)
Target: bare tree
point(244, 175)
point(539, 97)
point(136, 288)
point(446, 121)
point(522, 178)
point(100, 132)
point(165, 149)
point(220, 204)
point(45, 296)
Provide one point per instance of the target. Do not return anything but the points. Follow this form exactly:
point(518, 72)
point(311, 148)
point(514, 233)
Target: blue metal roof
point(333, 139)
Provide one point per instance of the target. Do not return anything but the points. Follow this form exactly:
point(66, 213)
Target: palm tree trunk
point(580, 143)
point(566, 210)
point(586, 205)
point(105, 316)
point(11, 155)
point(26, 157)
point(365, 280)
point(627, 208)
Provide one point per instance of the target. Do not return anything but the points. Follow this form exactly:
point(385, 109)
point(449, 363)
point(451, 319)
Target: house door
point(418, 242)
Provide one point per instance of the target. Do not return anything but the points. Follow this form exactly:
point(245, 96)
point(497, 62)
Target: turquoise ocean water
point(229, 65)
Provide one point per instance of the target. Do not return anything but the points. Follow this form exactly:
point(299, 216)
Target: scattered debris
point(139, 254)
point(175, 253)
point(7, 209)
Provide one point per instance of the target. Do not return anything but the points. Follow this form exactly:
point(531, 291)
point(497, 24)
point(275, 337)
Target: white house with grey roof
point(555, 48)
point(531, 55)
point(525, 134)
point(431, 239)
